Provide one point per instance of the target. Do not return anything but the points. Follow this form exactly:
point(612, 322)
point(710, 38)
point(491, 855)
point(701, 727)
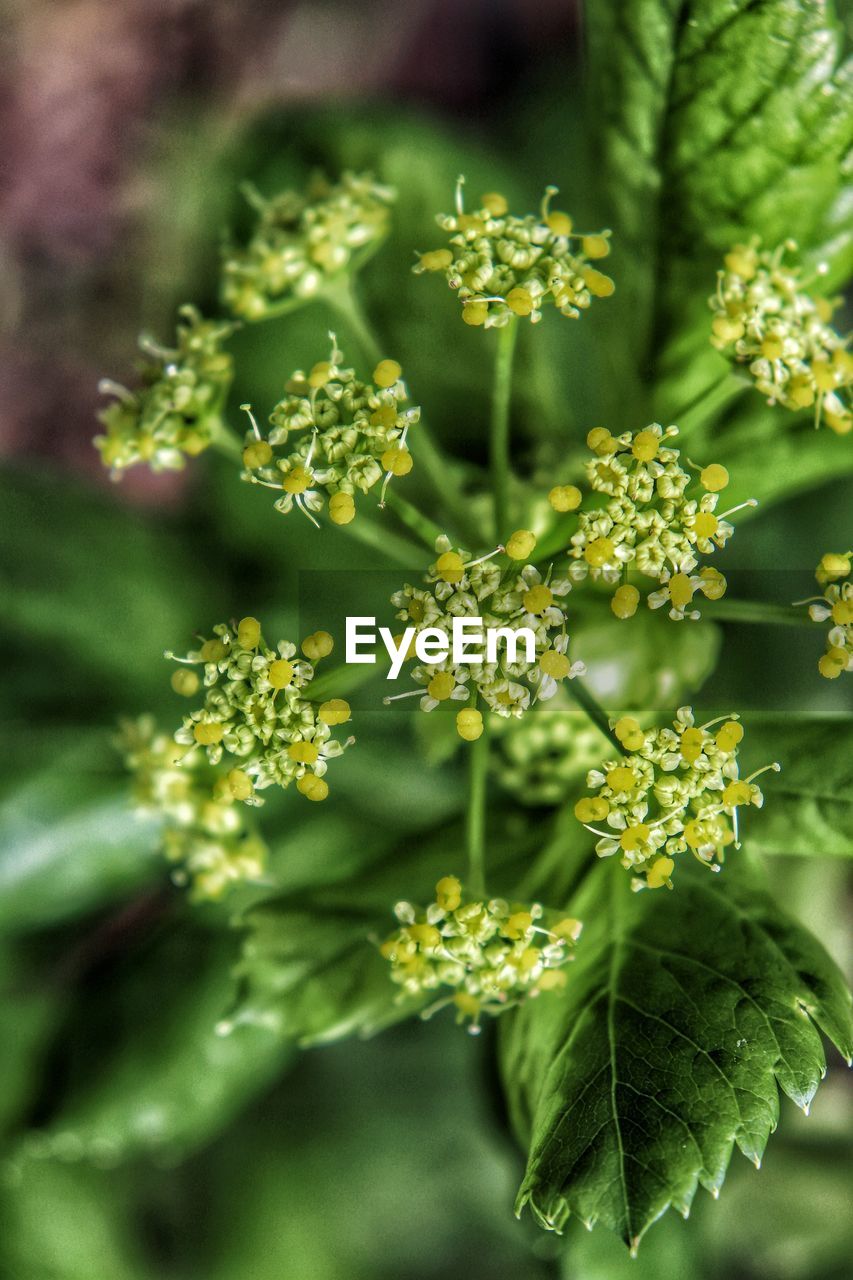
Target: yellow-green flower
point(672, 790)
point(488, 955)
point(766, 318)
point(176, 411)
point(332, 437)
point(501, 265)
point(303, 240)
point(258, 711)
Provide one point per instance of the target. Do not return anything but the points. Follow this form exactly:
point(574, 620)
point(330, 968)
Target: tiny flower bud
point(625, 601)
point(249, 633)
point(475, 313)
point(469, 724)
point(207, 733)
point(520, 544)
point(185, 682)
point(240, 784)
point(312, 787)
point(335, 711)
point(436, 260)
point(450, 566)
point(317, 646)
point(397, 461)
point(714, 478)
point(341, 508)
point(280, 673)
point(565, 497)
point(448, 893)
point(386, 373)
point(494, 203)
point(257, 453)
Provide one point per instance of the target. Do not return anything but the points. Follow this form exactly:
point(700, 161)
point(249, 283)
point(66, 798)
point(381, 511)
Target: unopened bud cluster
point(673, 790)
point(504, 266)
point(538, 760)
point(765, 319)
point(257, 711)
point(206, 834)
point(835, 606)
point(656, 519)
point(303, 240)
point(177, 408)
point(489, 954)
point(332, 437)
point(504, 592)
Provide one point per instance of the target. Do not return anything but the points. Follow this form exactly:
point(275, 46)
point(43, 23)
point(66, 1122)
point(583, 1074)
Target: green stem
point(476, 819)
point(343, 300)
point(596, 713)
point(366, 531)
point(226, 441)
point(707, 403)
point(419, 524)
point(499, 436)
point(760, 612)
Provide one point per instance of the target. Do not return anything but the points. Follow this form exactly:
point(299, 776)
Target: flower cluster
point(509, 595)
point(763, 318)
point(257, 708)
point(538, 759)
point(490, 954)
point(505, 266)
point(177, 409)
point(333, 433)
point(673, 789)
point(657, 519)
point(303, 240)
point(835, 606)
point(205, 833)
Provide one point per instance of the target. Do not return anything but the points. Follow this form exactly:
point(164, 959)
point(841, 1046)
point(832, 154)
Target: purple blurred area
point(96, 93)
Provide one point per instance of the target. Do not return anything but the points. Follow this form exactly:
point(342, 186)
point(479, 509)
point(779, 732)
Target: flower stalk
point(499, 435)
point(476, 818)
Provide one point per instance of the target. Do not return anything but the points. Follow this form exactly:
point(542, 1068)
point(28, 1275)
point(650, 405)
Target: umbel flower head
point(177, 409)
point(673, 790)
point(302, 240)
point(835, 606)
point(332, 436)
point(256, 710)
point(765, 318)
point(656, 520)
point(206, 834)
point(538, 759)
point(504, 266)
point(489, 955)
point(505, 592)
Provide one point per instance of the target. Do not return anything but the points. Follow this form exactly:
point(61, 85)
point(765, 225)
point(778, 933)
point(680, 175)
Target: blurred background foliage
point(137, 1141)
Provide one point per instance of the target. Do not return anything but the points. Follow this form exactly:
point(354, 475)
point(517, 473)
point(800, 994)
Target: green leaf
point(95, 594)
point(147, 1067)
point(310, 968)
point(685, 1014)
point(28, 1009)
point(69, 839)
point(61, 1223)
point(808, 808)
point(716, 120)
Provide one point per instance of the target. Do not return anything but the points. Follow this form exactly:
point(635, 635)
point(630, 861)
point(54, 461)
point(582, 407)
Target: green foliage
point(136, 1036)
point(154, 1081)
point(69, 841)
point(685, 1013)
point(812, 809)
